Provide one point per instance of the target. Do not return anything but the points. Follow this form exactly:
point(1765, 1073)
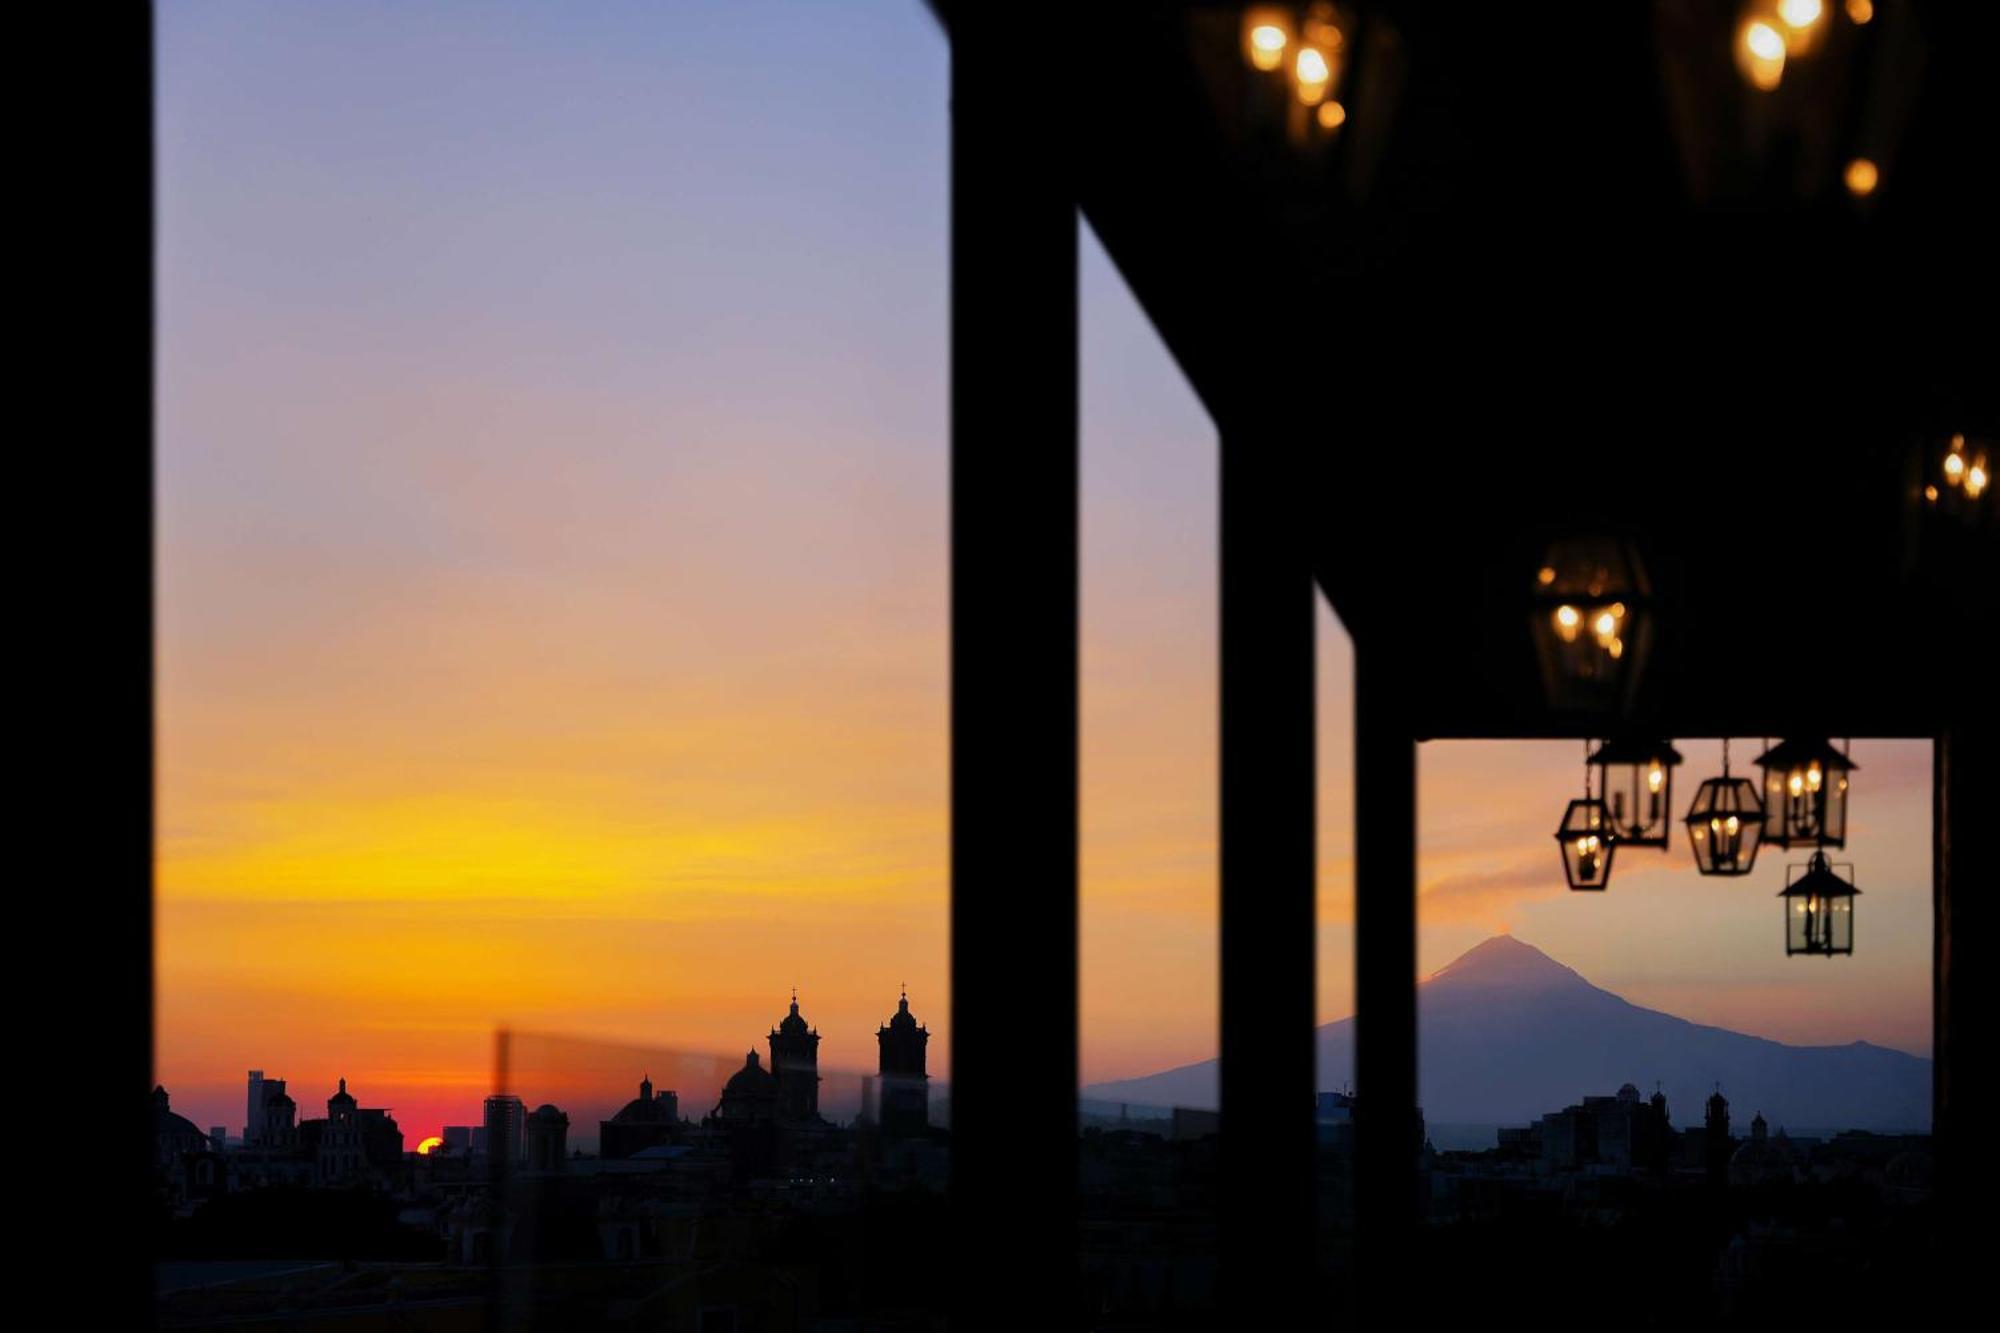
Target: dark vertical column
point(1268, 901)
point(1965, 869)
point(1013, 675)
point(1385, 985)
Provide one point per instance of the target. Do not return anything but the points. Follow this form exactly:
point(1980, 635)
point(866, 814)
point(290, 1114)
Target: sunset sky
point(552, 573)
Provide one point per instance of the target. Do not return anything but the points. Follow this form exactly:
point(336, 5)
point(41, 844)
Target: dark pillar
point(1385, 986)
point(1013, 675)
point(1268, 900)
point(1965, 872)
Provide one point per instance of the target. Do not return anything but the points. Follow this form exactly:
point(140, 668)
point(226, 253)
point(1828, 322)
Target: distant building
point(218, 1138)
point(262, 1095)
point(253, 1109)
point(795, 1068)
point(547, 1136)
point(506, 1120)
point(750, 1097)
point(1765, 1158)
point(1192, 1124)
point(1333, 1119)
point(457, 1140)
point(381, 1140)
point(1620, 1131)
point(647, 1121)
point(1717, 1146)
point(339, 1152)
point(903, 1091)
point(280, 1123)
point(189, 1169)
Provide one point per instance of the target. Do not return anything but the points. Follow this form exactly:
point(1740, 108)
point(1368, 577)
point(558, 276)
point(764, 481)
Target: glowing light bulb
point(1860, 10)
point(1813, 777)
point(1763, 54)
point(1733, 825)
point(1862, 177)
point(1797, 785)
point(1607, 625)
point(1930, 493)
point(1567, 619)
point(1267, 32)
point(1654, 776)
point(1954, 468)
point(1800, 13)
point(1332, 115)
point(1975, 481)
point(1313, 74)
point(1546, 575)
point(1267, 46)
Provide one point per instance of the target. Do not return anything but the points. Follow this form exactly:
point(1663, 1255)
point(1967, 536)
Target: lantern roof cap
point(1577, 818)
point(1804, 750)
point(1635, 750)
point(1819, 881)
point(1733, 795)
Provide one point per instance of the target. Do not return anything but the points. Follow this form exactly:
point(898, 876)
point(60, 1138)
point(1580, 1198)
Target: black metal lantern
point(1805, 794)
point(1587, 844)
point(1725, 823)
point(1591, 622)
point(1819, 908)
point(1636, 778)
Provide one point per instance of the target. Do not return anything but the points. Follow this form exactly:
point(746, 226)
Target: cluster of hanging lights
point(1307, 48)
point(1777, 39)
point(1627, 800)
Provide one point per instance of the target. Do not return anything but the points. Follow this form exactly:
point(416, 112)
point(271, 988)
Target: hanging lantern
point(1587, 844)
point(1725, 823)
point(1636, 778)
point(1819, 909)
point(1805, 794)
point(1590, 621)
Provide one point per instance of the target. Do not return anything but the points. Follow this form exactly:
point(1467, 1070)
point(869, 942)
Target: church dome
point(167, 1124)
point(750, 1081)
point(638, 1111)
point(792, 1025)
point(903, 1019)
point(547, 1111)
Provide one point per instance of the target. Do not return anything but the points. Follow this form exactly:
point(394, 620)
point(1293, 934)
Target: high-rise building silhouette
point(505, 1122)
point(904, 1091)
point(795, 1066)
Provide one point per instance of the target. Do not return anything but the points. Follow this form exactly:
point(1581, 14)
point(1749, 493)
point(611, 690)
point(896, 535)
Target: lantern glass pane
point(1587, 845)
point(1725, 826)
point(1638, 795)
point(1819, 908)
point(1805, 794)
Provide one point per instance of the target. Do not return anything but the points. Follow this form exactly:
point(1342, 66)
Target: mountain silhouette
point(1507, 1034)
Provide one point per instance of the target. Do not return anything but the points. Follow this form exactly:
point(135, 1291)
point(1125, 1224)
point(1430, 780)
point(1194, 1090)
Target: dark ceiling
point(1561, 272)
